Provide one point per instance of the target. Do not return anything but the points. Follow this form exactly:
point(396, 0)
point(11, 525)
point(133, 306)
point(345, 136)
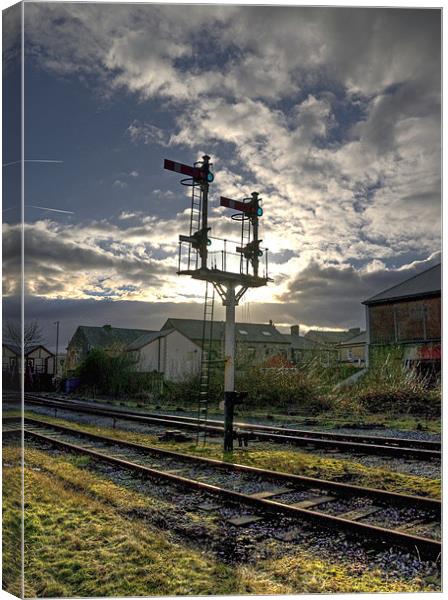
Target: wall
point(405, 321)
point(7, 354)
point(174, 355)
point(76, 350)
point(353, 353)
point(43, 361)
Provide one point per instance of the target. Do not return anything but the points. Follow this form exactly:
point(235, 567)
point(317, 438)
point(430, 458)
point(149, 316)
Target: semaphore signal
point(199, 174)
point(230, 285)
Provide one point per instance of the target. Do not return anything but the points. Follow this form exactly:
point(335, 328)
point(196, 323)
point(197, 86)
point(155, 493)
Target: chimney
point(271, 322)
point(295, 330)
point(107, 326)
point(355, 330)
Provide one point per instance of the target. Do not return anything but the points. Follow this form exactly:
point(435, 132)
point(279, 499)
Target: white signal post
point(229, 366)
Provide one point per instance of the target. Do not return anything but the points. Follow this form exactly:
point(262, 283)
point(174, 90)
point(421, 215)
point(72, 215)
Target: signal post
point(230, 285)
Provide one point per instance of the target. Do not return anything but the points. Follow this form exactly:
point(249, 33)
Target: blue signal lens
point(259, 211)
point(210, 177)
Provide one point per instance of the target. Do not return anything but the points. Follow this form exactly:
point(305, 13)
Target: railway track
point(386, 446)
point(378, 516)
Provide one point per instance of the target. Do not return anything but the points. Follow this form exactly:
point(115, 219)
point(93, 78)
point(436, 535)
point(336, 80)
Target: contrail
point(33, 160)
point(68, 212)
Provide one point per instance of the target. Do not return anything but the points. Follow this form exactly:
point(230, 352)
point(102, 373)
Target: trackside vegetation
point(314, 389)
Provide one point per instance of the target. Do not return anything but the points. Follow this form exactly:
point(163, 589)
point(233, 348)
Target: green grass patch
point(12, 520)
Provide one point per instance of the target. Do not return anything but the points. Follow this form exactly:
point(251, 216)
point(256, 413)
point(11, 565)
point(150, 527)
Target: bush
point(390, 387)
point(278, 388)
point(107, 371)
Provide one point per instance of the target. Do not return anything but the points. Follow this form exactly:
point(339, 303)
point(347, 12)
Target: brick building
point(407, 316)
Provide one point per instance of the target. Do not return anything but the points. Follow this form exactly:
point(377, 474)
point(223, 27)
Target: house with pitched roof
point(38, 359)
point(353, 351)
point(175, 350)
point(303, 349)
point(254, 342)
point(168, 352)
point(408, 317)
point(86, 338)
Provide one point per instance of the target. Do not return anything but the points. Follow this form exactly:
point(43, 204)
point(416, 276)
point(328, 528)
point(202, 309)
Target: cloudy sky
point(332, 114)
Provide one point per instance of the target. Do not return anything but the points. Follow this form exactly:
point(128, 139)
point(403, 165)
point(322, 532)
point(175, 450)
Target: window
point(242, 331)
point(267, 333)
point(39, 365)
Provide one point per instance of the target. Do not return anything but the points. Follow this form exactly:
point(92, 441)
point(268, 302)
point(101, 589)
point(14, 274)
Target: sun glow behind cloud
point(332, 114)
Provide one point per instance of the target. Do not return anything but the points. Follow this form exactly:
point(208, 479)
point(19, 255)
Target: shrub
point(107, 372)
point(390, 387)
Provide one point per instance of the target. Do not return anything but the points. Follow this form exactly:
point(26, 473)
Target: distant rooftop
point(108, 335)
point(247, 332)
point(300, 342)
point(18, 349)
point(322, 336)
point(146, 338)
point(427, 283)
point(361, 338)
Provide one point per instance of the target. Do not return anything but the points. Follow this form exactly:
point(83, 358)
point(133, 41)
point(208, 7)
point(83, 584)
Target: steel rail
point(345, 489)
point(425, 546)
point(376, 439)
point(381, 440)
point(366, 448)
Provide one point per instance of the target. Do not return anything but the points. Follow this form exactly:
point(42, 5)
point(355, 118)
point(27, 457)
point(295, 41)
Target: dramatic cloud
point(333, 114)
point(335, 292)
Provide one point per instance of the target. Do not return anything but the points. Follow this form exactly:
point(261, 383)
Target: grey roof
point(329, 337)
point(106, 336)
point(244, 332)
point(18, 350)
point(426, 283)
point(147, 338)
point(299, 342)
point(361, 338)
point(32, 348)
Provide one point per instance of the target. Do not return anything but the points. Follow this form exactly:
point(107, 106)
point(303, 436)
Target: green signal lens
point(210, 177)
point(260, 253)
point(209, 242)
point(259, 211)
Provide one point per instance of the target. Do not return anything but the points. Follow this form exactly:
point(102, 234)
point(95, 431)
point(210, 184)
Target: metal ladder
point(195, 219)
point(206, 360)
point(245, 239)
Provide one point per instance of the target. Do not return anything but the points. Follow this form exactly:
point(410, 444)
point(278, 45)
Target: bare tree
point(32, 335)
